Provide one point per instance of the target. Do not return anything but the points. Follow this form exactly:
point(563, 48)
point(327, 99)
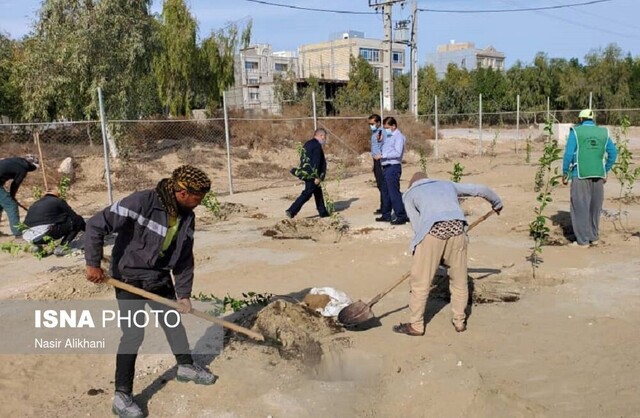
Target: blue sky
point(569, 32)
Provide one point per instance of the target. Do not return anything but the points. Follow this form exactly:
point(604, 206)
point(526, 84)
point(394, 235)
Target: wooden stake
point(36, 137)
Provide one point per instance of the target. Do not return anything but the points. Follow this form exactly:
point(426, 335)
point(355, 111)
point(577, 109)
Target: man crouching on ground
point(155, 239)
point(440, 236)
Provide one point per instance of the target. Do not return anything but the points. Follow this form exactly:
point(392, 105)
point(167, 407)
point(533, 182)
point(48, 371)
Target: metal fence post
point(590, 100)
point(381, 107)
point(435, 99)
point(226, 134)
point(480, 125)
point(517, 121)
point(315, 117)
point(548, 109)
point(103, 124)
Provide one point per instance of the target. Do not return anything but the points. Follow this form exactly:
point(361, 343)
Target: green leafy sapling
point(548, 177)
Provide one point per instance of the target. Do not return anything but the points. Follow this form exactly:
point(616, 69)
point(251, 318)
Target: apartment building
point(257, 66)
point(330, 60)
point(254, 70)
point(466, 56)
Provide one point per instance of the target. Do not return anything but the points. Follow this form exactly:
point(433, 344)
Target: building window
point(397, 57)
point(371, 55)
point(254, 94)
point(378, 71)
point(397, 72)
point(281, 67)
point(250, 65)
point(253, 81)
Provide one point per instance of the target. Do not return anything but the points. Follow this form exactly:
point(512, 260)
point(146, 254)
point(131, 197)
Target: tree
point(401, 90)
point(76, 47)
point(608, 76)
point(457, 92)
point(362, 92)
point(9, 92)
point(217, 60)
point(428, 87)
point(493, 87)
point(176, 63)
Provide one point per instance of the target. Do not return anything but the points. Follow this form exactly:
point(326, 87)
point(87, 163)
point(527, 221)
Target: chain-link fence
point(247, 153)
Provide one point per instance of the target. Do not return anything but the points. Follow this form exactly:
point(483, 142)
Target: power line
point(599, 16)
point(525, 9)
point(353, 12)
point(311, 9)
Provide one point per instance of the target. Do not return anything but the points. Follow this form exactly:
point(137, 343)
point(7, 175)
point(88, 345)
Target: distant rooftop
point(346, 34)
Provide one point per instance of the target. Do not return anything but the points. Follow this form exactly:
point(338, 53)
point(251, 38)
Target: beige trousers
point(426, 259)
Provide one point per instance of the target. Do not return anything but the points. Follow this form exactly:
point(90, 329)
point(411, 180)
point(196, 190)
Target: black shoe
point(399, 221)
point(378, 212)
point(324, 215)
point(383, 219)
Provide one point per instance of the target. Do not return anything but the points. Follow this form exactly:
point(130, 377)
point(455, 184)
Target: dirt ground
point(567, 345)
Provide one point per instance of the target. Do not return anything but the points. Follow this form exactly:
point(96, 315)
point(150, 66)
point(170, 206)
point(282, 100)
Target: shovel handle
point(389, 289)
point(407, 274)
point(480, 219)
point(175, 305)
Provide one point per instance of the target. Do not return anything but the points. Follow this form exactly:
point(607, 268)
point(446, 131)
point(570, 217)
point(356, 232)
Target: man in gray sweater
point(440, 236)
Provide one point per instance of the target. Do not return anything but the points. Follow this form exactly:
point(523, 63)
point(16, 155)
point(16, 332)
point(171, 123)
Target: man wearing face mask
point(392, 152)
point(375, 125)
point(312, 169)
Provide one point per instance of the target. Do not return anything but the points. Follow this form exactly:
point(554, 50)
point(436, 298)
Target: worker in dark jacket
point(312, 169)
point(56, 219)
point(155, 239)
point(14, 169)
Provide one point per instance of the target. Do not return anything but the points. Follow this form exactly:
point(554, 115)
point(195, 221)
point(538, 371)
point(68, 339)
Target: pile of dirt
point(69, 283)
point(308, 228)
point(226, 211)
point(296, 330)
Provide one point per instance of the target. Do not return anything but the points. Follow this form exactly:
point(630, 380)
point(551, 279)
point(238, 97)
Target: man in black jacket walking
point(155, 240)
point(14, 169)
point(56, 219)
point(313, 168)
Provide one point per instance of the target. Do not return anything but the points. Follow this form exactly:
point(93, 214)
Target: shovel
point(175, 305)
point(359, 312)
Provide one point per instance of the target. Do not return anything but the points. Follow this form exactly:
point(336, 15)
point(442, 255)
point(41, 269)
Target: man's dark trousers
point(377, 173)
point(391, 197)
point(132, 336)
point(310, 189)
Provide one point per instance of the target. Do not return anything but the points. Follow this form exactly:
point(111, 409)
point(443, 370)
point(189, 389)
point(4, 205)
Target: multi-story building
point(330, 60)
point(254, 70)
point(466, 56)
point(257, 66)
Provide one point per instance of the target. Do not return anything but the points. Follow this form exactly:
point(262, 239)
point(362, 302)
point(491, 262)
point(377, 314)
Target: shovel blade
point(356, 313)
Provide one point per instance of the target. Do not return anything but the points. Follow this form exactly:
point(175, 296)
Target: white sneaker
point(575, 244)
point(125, 407)
point(195, 373)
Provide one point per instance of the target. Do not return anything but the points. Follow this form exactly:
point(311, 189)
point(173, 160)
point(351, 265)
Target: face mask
point(389, 132)
point(373, 127)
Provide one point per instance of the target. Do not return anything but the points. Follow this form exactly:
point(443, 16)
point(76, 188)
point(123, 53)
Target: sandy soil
point(568, 347)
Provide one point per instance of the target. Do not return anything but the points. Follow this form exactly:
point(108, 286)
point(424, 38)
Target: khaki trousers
point(426, 259)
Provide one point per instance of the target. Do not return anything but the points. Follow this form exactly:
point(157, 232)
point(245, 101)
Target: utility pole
point(413, 94)
point(387, 69)
point(387, 79)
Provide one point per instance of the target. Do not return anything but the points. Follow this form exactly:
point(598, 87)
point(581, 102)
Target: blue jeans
point(9, 204)
point(391, 196)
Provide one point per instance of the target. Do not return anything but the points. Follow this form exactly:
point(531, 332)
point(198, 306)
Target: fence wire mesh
point(261, 150)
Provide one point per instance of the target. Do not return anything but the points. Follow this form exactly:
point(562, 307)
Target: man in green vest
point(585, 165)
